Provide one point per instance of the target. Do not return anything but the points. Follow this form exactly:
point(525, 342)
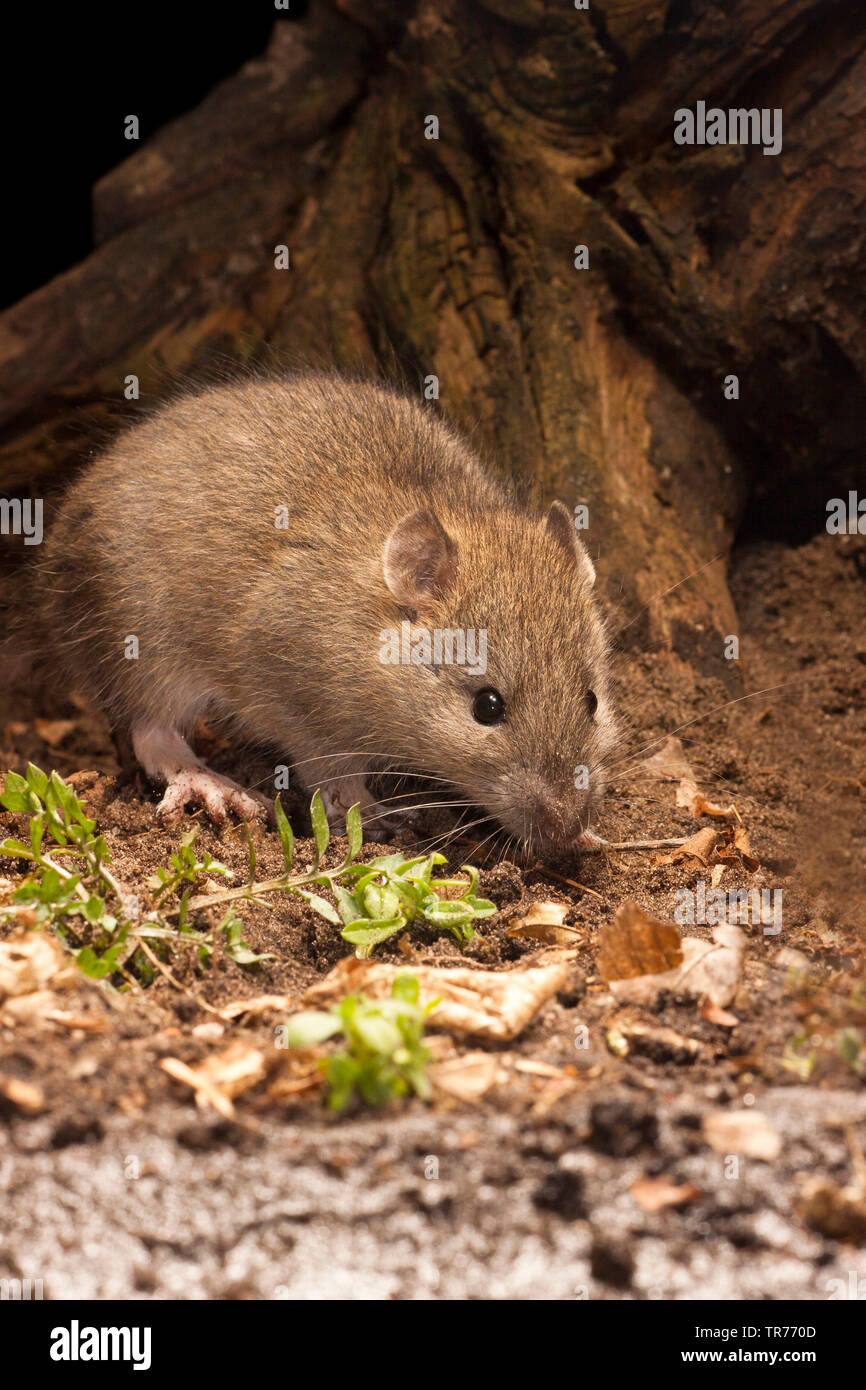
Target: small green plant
point(371, 901)
point(56, 895)
point(799, 1057)
point(384, 1056)
point(72, 888)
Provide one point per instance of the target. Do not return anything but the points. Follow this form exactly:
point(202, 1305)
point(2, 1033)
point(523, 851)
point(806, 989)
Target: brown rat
point(276, 548)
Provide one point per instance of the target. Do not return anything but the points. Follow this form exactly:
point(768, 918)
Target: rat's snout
point(553, 823)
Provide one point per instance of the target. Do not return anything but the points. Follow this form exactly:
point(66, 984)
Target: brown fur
point(170, 536)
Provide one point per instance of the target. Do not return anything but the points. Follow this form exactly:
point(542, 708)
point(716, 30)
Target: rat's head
point(507, 677)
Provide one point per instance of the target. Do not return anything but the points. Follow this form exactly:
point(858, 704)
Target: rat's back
point(162, 542)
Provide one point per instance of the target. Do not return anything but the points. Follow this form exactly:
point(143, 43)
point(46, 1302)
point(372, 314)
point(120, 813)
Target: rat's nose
point(550, 821)
point(554, 823)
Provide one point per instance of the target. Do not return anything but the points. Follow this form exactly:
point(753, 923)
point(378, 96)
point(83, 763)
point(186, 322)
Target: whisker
point(670, 733)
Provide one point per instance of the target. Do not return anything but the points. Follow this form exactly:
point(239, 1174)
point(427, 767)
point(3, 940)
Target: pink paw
point(219, 796)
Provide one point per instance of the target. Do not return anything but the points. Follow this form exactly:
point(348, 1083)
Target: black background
point(72, 74)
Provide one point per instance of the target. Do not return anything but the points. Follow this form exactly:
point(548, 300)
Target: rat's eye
point(591, 702)
point(488, 707)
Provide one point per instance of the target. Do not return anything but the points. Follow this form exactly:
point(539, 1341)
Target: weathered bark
point(454, 257)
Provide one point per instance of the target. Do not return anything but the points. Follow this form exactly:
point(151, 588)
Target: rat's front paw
point(219, 796)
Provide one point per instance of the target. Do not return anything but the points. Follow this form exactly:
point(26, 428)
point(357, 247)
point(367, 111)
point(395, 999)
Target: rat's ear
point(419, 559)
point(560, 524)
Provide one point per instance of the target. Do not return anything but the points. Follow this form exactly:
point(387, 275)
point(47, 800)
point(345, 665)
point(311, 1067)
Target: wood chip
point(493, 1004)
point(25, 1097)
point(654, 1194)
point(746, 1132)
point(221, 1077)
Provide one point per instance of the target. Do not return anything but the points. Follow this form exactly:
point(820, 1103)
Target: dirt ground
point(584, 1169)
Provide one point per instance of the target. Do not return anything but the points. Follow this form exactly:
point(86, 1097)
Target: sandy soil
point(118, 1186)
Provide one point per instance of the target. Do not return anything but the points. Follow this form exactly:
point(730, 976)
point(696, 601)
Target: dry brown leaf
point(700, 846)
point(654, 1194)
point(839, 1212)
point(543, 922)
point(746, 1132)
point(261, 1004)
point(467, 1078)
point(30, 961)
point(26, 1097)
point(692, 798)
point(716, 875)
point(53, 731)
point(636, 944)
point(495, 1004)
point(669, 763)
point(714, 971)
point(708, 968)
point(739, 847)
point(83, 779)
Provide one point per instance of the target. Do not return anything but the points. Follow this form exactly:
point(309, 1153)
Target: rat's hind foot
point(198, 786)
point(166, 757)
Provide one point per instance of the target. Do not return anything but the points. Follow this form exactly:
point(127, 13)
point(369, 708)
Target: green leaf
point(346, 906)
point(285, 834)
point(311, 1026)
point(242, 954)
point(55, 826)
point(406, 987)
point(389, 863)
point(37, 780)
point(380, 904)
point(377, 1033)
point(94, 908)
point(354, 830)
point(13, 801)
point(321, 831)
point(16, 847)
point(343, 1073)
point(37, 833)
point(447, 913)
point(322, 906)
point(481, 907)
point(365, 938)
point(473, 879)
point(97, 967)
